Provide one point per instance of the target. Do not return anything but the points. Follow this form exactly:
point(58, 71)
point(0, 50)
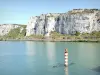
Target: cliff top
point(13, 24)
point(74, 11)
point(83, 11)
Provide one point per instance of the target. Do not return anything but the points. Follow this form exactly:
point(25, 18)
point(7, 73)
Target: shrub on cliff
point(56, 35)
point(77, 33)
point(95, 34)
point(13, 33)
point(23, 32)
point(17, 33)
point(92, 35)
point(85, 35)
point(35, 36)
point(1, 38)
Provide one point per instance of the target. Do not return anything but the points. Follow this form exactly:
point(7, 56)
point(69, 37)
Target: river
point(38, 58)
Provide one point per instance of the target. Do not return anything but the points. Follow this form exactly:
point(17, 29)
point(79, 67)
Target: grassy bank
point(17, 34)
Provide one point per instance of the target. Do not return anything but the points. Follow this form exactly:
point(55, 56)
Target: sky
point(20, 11)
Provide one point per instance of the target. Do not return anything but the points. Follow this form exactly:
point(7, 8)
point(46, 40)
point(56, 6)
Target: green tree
point(77, 33)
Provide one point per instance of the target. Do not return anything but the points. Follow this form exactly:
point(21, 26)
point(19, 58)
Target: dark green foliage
point(23, 32)
point(20, 33)
point(84, 11)
point(93, 35)
point(35, 37)
point(55, 35)
point(77, 33)
point(1, 38)
point(16, 33)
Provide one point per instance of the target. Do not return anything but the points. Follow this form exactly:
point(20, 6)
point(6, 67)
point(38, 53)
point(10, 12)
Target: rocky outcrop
point(5, 28)
point(81, 20)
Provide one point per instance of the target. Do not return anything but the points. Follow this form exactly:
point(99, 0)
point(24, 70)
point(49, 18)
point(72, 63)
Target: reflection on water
point(30, 51)
point(47, 58)
point(50, 54)
point(50, 47)
point(38, 50)
point(66, 70)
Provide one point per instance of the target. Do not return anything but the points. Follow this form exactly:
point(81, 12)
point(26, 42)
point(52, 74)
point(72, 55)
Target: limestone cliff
point(5, 28)
point(81, 20)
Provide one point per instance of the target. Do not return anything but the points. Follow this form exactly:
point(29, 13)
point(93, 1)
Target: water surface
point(38, 58)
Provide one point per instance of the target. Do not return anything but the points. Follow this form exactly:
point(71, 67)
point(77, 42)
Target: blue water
point(38, 58)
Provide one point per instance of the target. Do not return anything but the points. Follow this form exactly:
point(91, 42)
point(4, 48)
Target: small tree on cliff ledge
point(77, 33)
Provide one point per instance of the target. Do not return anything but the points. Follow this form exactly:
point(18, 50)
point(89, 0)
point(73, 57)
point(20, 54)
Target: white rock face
point(5, 28)
point(81, 20)
point(51, 25)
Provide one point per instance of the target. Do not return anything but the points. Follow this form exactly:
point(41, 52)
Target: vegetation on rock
point(20, 34)
point(94, 36)
point(35, 37)
point(17, 33)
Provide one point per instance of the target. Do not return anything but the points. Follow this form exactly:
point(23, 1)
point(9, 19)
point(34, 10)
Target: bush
point(77, 37)
point(77, 33)
point(17, 33)
point(69, 37)
point(1, 39)
point(95, 34)
point(14, 33)
point(56, 35)
point(36, 36)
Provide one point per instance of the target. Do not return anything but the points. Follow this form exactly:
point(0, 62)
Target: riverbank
point(55, 40)
point(54, 36)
